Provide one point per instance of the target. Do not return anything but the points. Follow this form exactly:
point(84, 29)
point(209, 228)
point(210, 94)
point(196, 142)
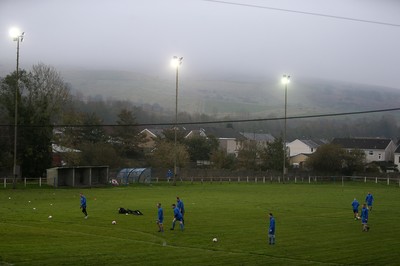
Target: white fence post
point(365, 179)
point(309, 179)
point(376, 180)
point(264, 179)
point(5, 182)
point(40, 181)
point(25, 181)
point(388, 181)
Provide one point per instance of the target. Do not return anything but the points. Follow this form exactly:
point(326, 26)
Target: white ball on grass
point(215, 239)
point(114, 222)
point(50, 217)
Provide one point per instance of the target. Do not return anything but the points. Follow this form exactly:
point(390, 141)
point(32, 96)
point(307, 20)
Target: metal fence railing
point(25, 182)
point(278, 179)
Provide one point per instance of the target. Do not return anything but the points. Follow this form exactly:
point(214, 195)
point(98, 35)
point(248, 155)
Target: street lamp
point(285, 81)
point(176, 62)
point(18, 37)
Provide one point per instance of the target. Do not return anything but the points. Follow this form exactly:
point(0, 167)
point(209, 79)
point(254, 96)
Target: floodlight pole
point(177, 61)
point(285, 81)
point(18, 39)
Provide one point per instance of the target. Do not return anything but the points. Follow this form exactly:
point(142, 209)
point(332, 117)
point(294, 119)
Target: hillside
point(236, 98)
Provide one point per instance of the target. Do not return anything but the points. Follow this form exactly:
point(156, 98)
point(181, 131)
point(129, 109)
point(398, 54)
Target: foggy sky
point(213, 38)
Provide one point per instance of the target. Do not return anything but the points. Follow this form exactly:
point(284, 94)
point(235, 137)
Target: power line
point(216, 122)
point(306, 13)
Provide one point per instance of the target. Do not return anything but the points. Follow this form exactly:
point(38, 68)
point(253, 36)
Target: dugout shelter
point(78, 176)
point(127, 176)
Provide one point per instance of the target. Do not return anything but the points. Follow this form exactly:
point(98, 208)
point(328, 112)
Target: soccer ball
point(114, 222)
point(50, 217)
point(215, 239)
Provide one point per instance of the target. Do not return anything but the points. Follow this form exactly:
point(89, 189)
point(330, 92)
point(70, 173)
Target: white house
point(229, 139)
point(375, 149)
point(304, 146)
point(397, 157)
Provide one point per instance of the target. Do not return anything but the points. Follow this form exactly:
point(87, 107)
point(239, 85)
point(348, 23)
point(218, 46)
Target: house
point(375, 149)
point(304, 146)
point(397, 157)
point(298, 160)
point(260, 139)
point(229, 139)
point(149, 138)
point(60, 154)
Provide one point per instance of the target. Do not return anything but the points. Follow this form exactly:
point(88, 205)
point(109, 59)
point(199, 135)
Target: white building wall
point(296, 147)
point(397, 160)
point(228, 145)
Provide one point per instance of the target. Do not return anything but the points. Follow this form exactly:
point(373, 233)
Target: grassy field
point(314, 225)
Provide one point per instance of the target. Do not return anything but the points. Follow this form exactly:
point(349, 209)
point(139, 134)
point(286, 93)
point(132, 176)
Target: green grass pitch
point(314, 225)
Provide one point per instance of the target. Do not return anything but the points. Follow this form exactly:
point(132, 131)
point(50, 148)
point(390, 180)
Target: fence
point(290, 179)
point(9, 181)
point(393, 181)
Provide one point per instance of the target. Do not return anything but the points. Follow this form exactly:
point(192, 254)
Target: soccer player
point(181, 207)
point(271, 230)
point(369, 199)
point(177, 217)
point(364, 218)
point(160, 218)
point(83, 205)
point(355, 205)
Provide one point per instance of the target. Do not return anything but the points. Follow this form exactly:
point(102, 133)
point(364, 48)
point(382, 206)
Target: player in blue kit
point(177, 217)
point(83, 205)
point(160, 218)
point(369, 199)
point(364, 218)
point(271, 230)
point(181, 207)
point(355, 206)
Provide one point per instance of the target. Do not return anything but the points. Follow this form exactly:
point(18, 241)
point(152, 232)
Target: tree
point(331, 158)
point(247, 156)
point(221, 160)
point(272, 156)
point(42, 94)
point(328, 158)
point(169, 135)
point(354, 161)
point(200, 148)
point(99, 154)
point(163, 155)
point(126, 135)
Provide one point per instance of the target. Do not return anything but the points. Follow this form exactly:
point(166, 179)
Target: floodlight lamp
point(15, 33)
point(285, 79)
point(176, 61)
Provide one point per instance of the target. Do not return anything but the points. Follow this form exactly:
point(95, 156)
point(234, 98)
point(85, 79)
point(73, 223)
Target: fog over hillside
point(235, 96)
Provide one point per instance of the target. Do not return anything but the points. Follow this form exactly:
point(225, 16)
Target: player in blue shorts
point(355, 206)
point(160, 218)
point(177, 217)
point(364, 218)
point(271, 230)
point(181, 207)
point(369, 199)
